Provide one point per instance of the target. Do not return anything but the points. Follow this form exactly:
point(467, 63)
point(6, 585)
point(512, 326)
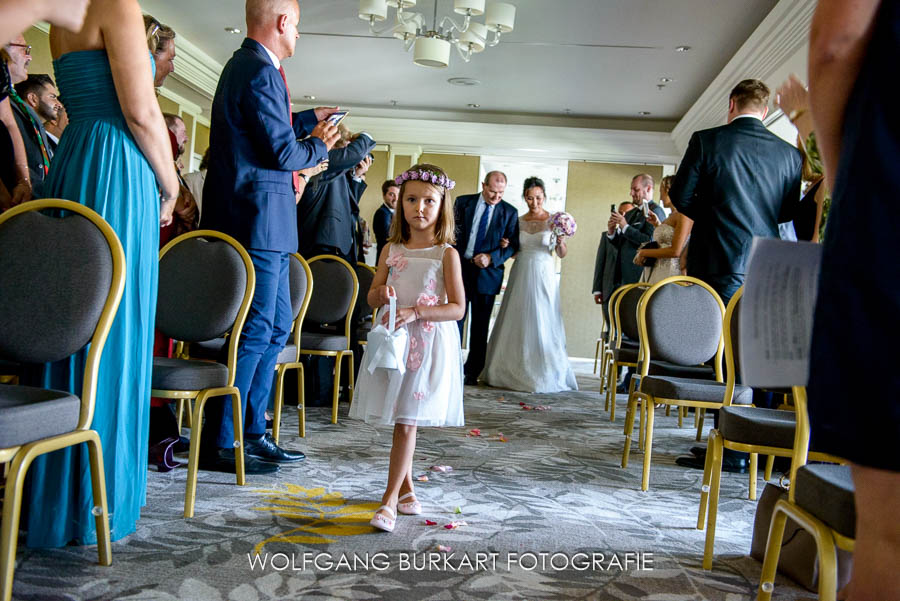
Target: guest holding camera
point(667, 256)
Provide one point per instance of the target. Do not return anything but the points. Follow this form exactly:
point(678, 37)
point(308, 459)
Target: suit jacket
point(605, 268)
point(381, 226)
point(504, 224)
point(253, 149)
point(325, 213)
point(32, 146)
point(627, 243)
point(357, 188)
point(735, 181)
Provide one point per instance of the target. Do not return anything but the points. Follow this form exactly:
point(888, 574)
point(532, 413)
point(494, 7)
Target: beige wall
point(41, 62)
point(592, 187)
point(463, 169)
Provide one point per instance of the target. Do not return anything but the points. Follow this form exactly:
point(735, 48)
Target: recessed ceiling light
point(472, 105)
point(309, 97)
point(463, 81)
point(643, 113)
point(233, 29)
point(682, 48)
point(665, 80)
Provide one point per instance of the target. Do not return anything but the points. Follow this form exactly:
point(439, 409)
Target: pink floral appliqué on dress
point(427, 300)
point(397, 263)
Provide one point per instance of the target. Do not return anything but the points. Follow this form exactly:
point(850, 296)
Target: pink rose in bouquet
point(563, 224)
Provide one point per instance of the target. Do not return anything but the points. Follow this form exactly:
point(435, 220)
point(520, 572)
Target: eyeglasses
point(27, 48)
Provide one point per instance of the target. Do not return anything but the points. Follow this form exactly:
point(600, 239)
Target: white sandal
point(410, 508)
point(383, 522)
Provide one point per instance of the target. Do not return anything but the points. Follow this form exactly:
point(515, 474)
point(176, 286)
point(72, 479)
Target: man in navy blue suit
point(255, 153)
point(381, 222)
point(482, 221)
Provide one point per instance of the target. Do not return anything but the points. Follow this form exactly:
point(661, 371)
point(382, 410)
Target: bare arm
point(840, 32)
point(22, 191)
point(123, 34)
point(18, 15)
point(378, 292)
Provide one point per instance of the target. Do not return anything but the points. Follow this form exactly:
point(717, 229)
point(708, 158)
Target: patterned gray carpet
point(548, 514)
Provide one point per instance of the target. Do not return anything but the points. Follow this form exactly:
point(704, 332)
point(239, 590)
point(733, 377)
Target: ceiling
point(560, 62)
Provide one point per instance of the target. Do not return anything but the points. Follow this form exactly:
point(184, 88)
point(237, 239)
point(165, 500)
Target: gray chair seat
point(28, 414)
point(625, 355)
point(208, 349)
point(315, 341)
point(187, 374)
point(693, 389)
point(288, 354)
point(826, 491)
point(697, 372)
point(758, 426)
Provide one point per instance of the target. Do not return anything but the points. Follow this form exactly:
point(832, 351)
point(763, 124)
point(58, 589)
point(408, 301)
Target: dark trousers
point(725, 285)
point(481, 307)
point(262, 339)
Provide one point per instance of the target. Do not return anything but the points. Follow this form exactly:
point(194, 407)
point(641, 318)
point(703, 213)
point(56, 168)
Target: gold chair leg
point(702, 412)
point(596, 356)
point(770, 465)
point(648, 446)
point(642, 424)
point(350, 375)
point(611, 390)
point(773, 550)
point(754, 463)
point(715, 447)
point(336, 393)
point(190, 490)
point(301, 402)
point(179, 413)
point(680, 416)
point(279, 400)
point(238, 418)
point(98, 487)
point(9, 534)
point(704, 488)
point(188, 416)
point(629, 429)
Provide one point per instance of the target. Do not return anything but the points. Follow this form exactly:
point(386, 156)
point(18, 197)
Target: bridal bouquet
point(561, 225)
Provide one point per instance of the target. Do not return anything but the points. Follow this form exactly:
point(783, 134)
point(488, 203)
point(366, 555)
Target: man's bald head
point(273, 23)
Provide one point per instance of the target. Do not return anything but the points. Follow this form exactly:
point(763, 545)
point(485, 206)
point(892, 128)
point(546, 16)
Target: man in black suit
point(628, 231)
point(482, 221)
point(381, 222)
point(607, 276)
point(325, 223)
point(736, 181)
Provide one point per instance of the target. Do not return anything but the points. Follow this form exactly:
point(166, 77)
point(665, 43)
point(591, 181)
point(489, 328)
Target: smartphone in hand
point(645, 207)
point(612, 208)
point(337, 117)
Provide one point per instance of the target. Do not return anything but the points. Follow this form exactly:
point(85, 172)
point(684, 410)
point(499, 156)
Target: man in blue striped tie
point(482, 221)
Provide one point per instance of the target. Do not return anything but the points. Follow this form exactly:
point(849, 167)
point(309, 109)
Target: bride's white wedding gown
point(527, 349)
point(664, 267)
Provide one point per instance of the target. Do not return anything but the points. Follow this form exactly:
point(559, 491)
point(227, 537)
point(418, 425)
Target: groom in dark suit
point(254, 156)
point(482, 221)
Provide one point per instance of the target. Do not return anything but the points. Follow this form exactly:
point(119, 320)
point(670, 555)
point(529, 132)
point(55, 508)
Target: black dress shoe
point(470, 381)
point(269, 424)
point(621, 388)
point(730, 465)
point(266, 450)
point(223, 461)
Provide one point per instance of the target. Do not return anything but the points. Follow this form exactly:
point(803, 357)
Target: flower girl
point(422, 270)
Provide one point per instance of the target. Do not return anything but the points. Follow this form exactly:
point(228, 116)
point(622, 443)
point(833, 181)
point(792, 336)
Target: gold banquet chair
point(327, 331)
point(820, 500)
point(206, 285)
point(681, 327)
point(62, 280)
point(624, 351)
point(289, 358)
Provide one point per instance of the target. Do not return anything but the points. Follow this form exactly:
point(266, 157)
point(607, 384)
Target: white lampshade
point(373, 8)
point(475, 35)
point(501, 17)
point(401, 3)
point(475, 6)
point(405, 29)
point(432, 52)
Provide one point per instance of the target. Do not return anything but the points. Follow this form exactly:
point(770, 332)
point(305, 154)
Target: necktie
point(37, 130)
point(481, 234)
point(294, 176)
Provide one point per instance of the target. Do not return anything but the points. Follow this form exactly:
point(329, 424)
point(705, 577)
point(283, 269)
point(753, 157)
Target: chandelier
point(433, 46)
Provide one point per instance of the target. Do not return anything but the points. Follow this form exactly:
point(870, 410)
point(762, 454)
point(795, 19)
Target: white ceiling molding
point(531, 141)
point(196, 69)
point(779, 38)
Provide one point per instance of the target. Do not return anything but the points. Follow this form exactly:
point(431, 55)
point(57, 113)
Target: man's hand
point(22, 192)
point(363, 166)
point(504, 242)
point(323, 112)
point(482, 260)
point(617, 219)
point(326, 132)
point(315, 169)
point(598, 298)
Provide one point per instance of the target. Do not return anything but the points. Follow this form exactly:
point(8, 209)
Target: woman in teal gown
point(109, 164)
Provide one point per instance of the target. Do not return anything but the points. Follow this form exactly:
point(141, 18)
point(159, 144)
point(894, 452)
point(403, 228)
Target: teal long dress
point(99, 164)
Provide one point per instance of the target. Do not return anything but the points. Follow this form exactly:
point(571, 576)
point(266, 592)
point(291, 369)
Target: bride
point(672, 236)
point(527, 349)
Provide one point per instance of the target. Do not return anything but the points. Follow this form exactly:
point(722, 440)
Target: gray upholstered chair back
point(362, 310)
point(201, 285)
point(684, 324)
point(299, 284)
point(332, 293)
point(55, 275)
point(628, 311)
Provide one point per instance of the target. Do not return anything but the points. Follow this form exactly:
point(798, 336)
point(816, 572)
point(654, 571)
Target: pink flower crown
point(426, 176)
